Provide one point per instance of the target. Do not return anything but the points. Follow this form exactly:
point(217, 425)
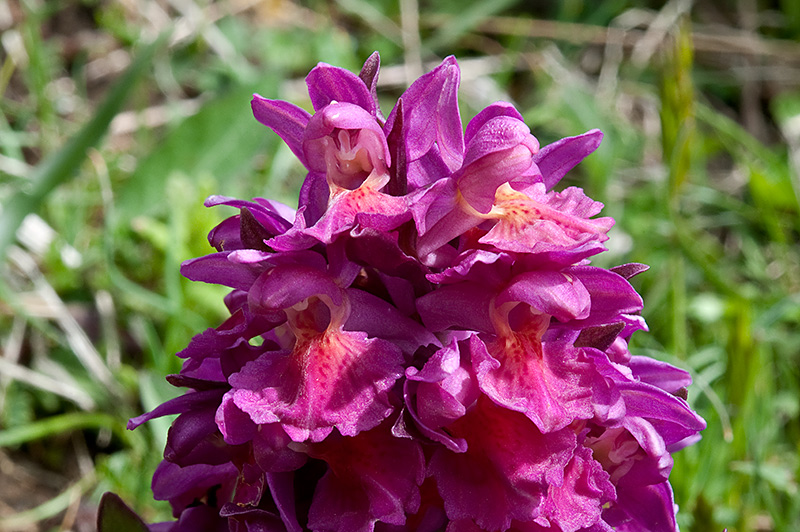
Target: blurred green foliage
point(699, 165)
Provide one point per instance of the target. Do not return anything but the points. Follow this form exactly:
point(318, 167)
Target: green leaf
point(58, 424)
point(221, 140)
point(115, 516)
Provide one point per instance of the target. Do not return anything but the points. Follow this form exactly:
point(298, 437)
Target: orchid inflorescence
point(422, 345)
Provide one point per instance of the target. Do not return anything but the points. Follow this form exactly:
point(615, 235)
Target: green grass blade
point(61, 165)
point(58, 424)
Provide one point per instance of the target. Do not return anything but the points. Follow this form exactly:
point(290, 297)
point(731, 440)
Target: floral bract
point(422, 345)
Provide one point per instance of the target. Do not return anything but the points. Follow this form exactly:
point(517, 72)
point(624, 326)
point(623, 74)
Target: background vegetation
point(109, 144)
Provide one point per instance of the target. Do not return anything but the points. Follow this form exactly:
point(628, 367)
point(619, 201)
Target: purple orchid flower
point(423, 344)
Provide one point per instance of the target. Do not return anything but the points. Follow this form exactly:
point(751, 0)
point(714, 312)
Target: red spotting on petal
point(552, 383)
point(534, 222)
point(366, 205)
point(333, 379)
point(373, 476)
point(506, 469)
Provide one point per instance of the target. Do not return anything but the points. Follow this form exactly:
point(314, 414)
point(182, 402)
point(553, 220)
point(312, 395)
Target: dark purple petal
point(178, 405)
point(371, 477)
point(217, 269)
point(629, 270)
point(181, 486)
point(200, 518)
point(282, 487)
point(379, 319)
point(462, 306)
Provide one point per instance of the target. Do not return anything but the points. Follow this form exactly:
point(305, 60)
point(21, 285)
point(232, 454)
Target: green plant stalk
point(677, 108)
point(49, 508)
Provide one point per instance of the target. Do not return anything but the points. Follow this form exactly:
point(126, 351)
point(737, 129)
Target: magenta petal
point(440, 216)
point(651, 508)
point(660, 374)
point(337, 379)
point(487, 267)
point(431, 116)
point(558, 158)
point(500, 152)
point(328, 83)
point(492, 111)
point(371, 477)
point(550, 383)
point(216, 268)
point(319, 136)
point(532, 221)
point(313, 200)
point(365, 207)
point(462, 306)
point(611, 294)
point(505, 471)
point(556, 294)
point(285, 119)
point(578, 503)
point(671, 416)
point(440, 393)
point(285, 286)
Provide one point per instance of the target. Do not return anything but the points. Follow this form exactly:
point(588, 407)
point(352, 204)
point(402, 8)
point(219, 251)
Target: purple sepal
point(285, 119)
point(178, 405)
point(558, 158)
point(369, 75)
point(181, 486)
point(327, 84)
point(431, 120)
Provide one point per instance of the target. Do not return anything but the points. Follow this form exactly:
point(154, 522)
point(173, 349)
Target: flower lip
point(346, 143)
